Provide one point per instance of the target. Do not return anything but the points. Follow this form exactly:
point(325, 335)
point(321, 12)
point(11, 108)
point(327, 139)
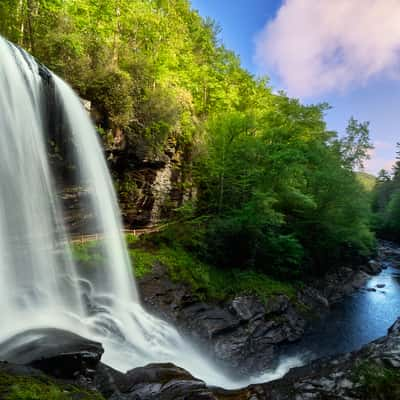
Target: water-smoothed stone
point(160, 381)
point(58, 353)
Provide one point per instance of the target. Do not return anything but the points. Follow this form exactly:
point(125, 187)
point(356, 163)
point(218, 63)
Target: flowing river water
point(356, 320)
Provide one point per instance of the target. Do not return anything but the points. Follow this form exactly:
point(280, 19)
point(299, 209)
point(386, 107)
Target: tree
point(383, 176)
point(392, 215)
point(356, 145)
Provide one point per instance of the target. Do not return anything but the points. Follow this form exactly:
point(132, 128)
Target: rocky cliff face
point(150, 187)
point(240, 334)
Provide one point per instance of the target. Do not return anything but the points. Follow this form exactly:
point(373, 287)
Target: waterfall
point(40, 284)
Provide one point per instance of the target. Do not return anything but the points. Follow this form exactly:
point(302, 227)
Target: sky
point(344, 52)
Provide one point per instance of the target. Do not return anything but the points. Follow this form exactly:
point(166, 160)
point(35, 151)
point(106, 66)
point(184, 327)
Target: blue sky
point(324, 51)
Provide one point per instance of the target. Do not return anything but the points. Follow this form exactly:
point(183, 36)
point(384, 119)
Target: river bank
point(247, 335)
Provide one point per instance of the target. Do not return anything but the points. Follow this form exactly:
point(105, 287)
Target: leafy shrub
point(111, 92)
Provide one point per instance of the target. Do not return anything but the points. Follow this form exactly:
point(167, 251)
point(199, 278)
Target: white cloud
point(379, 158)
point(375, 164)
point(318, 46)
point(383, 145)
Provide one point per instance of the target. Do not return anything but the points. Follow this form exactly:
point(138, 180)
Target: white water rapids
point(40, 286)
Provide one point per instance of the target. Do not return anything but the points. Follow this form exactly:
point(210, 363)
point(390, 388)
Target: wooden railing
point(99, 236)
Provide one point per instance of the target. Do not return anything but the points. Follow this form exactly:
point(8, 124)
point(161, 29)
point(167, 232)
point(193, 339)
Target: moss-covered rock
point(377, 381)
point(21, 383)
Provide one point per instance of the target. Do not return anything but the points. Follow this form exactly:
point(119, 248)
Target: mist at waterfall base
point(40, 284)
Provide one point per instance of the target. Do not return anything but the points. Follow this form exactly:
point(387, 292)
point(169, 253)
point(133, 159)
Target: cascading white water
point(39, 284)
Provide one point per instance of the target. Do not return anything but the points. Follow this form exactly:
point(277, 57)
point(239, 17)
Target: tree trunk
point(30, 11)
point(116, 35)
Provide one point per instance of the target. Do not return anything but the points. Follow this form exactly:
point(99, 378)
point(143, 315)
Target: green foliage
point(206, 280)
point(216, 283)
point(111, 92)
point(281, 192)
point(392, 215)
point(127, 189)
point(386, 202)
point(151, 69)
point(87, 253)
point(354, 147)
point(143, 262)
point(232, 242)
point(368, 181)
point(13, 387)
point(377, 382)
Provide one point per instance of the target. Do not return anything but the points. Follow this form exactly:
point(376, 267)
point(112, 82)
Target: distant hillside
point(368, 180)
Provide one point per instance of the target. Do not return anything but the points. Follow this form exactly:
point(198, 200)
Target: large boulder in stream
point(154, 381)
point(373, 267)
point(56, 352)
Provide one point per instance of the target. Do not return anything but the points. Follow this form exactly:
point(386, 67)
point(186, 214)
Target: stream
point(358, 319)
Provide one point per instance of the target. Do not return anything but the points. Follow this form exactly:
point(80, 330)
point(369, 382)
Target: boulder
point(160, 381)
point(373, 267)
point(359, 279)
point(313, 299)
point(395, 328)
point(56, 352)
point(380, 285)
